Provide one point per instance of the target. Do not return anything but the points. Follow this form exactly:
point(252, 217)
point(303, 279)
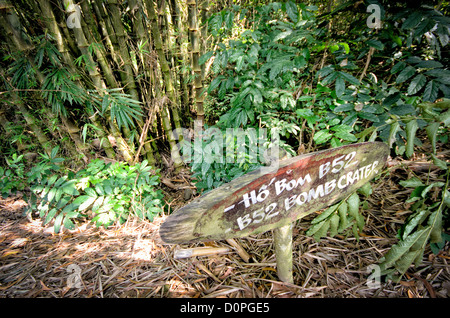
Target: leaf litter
point(132, 261)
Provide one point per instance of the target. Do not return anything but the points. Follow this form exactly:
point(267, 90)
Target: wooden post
point(282, 239)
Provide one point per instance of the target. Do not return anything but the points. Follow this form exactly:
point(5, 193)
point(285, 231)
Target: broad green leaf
point(405, 74)
point(86, 204)
point(403, 109)
point(334, 224)
point(322, 231)
point(292, 11)
point(349, 78)
point(97, 204)
point(353, 205)
point(375, 44)
point(68, 224)
point(343, 221)
point(50, 215)
point(90, 192)
point(435, 222)
point(398, 250)
point(412, 20)
point(438, 162)
point(325, 214)
point(411, 128)
point(431, 91)
point(322, 136)
point(57, 224)
point(343, 132)
point(412, 183)
point(391, 99)
point(398, 67)
point(413, 221)
point(432, 130)
point(395, 127)
point(340, 86)
point(416, 84)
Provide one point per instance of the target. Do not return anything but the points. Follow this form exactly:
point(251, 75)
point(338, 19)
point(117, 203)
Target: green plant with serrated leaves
point(430, 206)
point(220, 157)
point(341, 217)
point(103, 193)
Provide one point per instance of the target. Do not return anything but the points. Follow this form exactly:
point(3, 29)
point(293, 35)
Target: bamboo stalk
point(198, 79)
point(168, 86)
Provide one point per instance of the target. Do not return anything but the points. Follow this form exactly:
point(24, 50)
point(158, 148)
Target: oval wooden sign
point(256, 202)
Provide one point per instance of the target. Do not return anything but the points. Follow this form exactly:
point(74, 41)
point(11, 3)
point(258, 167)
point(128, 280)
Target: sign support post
point(282, 240)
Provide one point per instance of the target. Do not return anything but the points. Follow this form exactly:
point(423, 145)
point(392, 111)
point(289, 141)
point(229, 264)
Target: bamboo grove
point(117, 75)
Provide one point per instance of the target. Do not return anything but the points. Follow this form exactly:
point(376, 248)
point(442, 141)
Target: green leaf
point(90, 192)
point(68, 224)
point(340, 86)
point(413, 20)
point(205, 57)
point(322, 231)
point(50, 215)
point(322, 136)
point(334, 225)
point(411, 128)
point(438, 162)
point(325, 214)
point(395, 127)
point(398, 67)
point(349, 78)
point(391, 99)
point(403, 109)
point(411, 183)
point(375, 44)
point(413, 221)
point(292, 11)
point(343, 132)
point(86, 204)
point(431, 91)
point(399, 250)
point(405, 74)
point(353, 205)
point(57, 224)
point(416, 84)
point(432, 130)
point(343, 221)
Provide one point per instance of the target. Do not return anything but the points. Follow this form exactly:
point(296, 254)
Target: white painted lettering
point(314, 194)
point(302, 198)
point(329, 186)
point(324, 169)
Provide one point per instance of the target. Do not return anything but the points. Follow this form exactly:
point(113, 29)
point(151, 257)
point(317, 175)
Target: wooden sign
point(256, 202)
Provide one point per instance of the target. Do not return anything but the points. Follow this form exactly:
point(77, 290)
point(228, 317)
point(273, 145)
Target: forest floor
point(132, 261)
